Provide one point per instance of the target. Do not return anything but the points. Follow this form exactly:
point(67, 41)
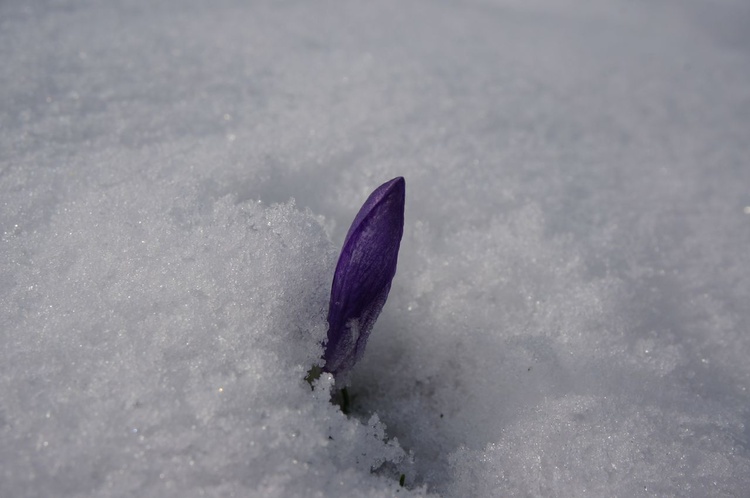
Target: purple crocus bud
point(363, 275)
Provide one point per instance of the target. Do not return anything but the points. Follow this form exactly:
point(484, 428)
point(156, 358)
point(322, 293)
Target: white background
point(570, 314)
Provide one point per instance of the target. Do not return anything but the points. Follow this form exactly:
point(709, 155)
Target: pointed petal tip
point(392, 188)
point(396, 183)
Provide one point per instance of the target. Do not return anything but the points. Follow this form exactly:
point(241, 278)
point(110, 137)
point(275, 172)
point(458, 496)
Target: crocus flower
point(363, 275)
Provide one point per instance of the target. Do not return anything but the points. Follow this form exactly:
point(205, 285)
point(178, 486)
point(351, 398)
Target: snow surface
point(570, 313)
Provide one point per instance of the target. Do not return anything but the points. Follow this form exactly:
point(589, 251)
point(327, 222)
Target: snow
point(569, 316)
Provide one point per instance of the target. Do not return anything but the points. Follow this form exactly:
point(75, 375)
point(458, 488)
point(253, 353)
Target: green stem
point(313, 375)
point(345, 401)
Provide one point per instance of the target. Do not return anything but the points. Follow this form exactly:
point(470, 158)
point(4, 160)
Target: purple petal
point(363, 275)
